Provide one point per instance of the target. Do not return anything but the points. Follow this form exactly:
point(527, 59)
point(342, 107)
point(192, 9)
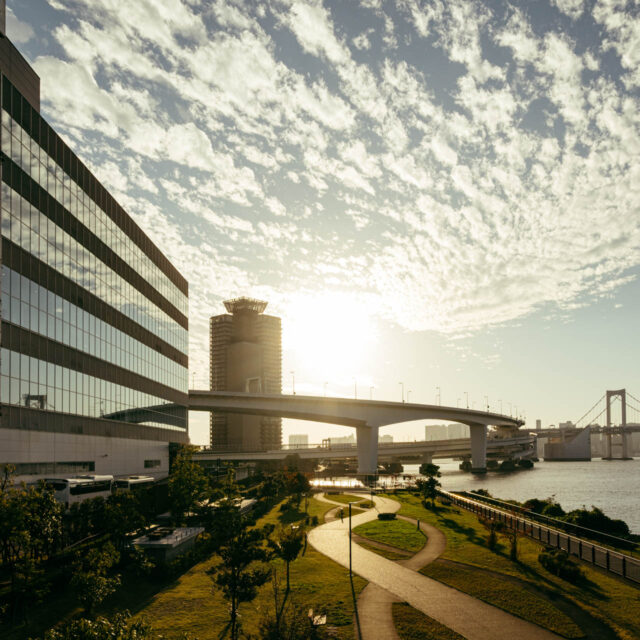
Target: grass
point(397, 533)
point(191, 606)
point(343, 498)
point(414, 625)
point(510, 597)
point(385, 553)
point(605, 598)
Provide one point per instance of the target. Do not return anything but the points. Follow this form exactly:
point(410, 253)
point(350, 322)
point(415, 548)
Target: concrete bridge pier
point(367, 443)
point(625, 445)
point(609, 448)
point(478, 434)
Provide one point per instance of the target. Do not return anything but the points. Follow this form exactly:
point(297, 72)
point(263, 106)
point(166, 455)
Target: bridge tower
point(622, 394)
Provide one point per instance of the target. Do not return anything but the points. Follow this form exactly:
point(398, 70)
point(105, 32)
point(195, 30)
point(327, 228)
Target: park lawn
point(192, 606)
point(343, 498)
point(412, 624)
point(397, 533)
point(510, 597)
point(385, 553)
point(606, 598)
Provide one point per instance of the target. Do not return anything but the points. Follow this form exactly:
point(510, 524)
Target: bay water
point(611, 485)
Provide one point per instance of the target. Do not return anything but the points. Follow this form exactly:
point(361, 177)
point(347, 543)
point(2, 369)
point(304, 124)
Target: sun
point(329, 333)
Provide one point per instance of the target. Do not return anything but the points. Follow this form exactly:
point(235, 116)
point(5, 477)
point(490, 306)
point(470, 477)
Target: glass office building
point(93, 360)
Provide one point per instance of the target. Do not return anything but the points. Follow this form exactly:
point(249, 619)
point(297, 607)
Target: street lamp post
point(438, 398)
point(402, 386)
point(486, 399)
point(355, 388)
point(408, 394)
point(350, 540)
point(293, 382)
point(466, 395)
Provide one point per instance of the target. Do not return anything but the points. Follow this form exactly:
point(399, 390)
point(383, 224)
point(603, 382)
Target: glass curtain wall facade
point(94, 317)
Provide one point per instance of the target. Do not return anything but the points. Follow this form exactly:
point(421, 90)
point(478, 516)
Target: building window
point(149, 464)
point(47, 468)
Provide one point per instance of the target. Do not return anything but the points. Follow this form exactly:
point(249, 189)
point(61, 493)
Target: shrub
point(386, 516)
point(559, 563)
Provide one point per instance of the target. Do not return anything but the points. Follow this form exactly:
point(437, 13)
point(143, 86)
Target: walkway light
point(402, 386)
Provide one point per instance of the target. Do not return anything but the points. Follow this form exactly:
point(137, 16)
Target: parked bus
point(133, 483)
point(71, 490)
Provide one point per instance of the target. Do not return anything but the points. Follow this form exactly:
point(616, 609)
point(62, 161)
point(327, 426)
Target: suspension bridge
point(616, 414)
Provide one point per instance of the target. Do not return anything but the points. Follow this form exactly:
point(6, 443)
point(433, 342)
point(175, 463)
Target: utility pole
point(350, 574)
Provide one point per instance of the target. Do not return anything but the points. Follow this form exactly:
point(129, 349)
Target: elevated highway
point(366, 416)
point(406, 452)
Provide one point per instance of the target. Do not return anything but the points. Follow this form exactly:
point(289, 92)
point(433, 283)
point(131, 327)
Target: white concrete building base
point(111, 456)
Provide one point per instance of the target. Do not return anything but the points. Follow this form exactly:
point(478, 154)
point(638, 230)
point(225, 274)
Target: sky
point(440, 199)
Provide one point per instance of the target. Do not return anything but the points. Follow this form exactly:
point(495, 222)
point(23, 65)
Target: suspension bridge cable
point(596, 417)
point(590, 410)
point(632, 396)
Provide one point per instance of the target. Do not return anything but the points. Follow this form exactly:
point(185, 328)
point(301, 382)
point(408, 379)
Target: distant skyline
point(440, 194)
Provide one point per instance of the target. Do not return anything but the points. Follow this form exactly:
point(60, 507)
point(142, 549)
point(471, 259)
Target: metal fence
point(607, 559)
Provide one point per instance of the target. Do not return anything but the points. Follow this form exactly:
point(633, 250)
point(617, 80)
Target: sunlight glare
point(330, 332)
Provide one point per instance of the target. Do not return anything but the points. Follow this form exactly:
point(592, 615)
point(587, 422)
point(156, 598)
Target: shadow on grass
point(355, 606)
point(289, 516)
point(469, 532)
point(544, 577)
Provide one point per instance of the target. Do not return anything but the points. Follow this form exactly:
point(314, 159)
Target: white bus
point(71, 490)
point(133, 483)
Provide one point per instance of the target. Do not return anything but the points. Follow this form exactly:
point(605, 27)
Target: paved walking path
point(471, 618)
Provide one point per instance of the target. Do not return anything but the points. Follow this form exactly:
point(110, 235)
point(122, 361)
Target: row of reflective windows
point(34, 160)
point(30, 382)
point(40, 236)
point(33, 307)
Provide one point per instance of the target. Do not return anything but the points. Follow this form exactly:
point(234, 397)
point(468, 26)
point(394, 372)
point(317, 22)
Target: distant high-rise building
point(456, 431)
point(387, 438)
point(538, 425)
point(298, 440)
point(435, 432)
point(245, 355)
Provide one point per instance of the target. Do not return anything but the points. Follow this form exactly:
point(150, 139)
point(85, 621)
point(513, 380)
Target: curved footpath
point(471, 618)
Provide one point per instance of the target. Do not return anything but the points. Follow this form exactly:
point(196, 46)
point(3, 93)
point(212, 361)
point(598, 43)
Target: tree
point(493, 526)
point(90, 578)
point(287, 545)
point(239, 574)
point(429, 487)
point(188, 485)
point(119, 627)
point(122, 514)
point(30, 531)
point(297, 485)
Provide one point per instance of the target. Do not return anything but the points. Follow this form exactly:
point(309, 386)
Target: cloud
point(19, 32)
point(462, 168)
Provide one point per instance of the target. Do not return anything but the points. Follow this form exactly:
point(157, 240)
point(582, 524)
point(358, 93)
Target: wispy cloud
point(456, 164)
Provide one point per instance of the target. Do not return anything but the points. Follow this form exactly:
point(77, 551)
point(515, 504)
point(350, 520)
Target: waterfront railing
point(607, 559)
